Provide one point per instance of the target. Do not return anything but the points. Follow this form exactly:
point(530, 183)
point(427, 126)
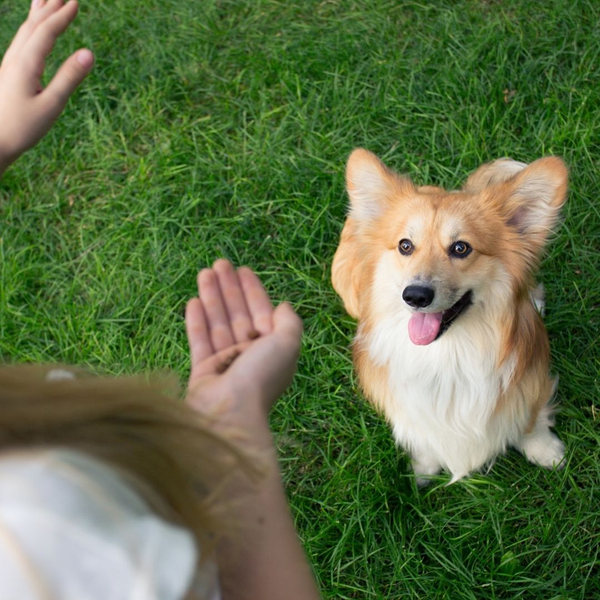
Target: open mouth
point(424, 328)
point(450, 315)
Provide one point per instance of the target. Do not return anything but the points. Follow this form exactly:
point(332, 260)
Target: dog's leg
point(537, 296)
point(425, 466)
point(540, 445)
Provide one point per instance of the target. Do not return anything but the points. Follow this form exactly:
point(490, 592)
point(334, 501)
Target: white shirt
point(72, 529)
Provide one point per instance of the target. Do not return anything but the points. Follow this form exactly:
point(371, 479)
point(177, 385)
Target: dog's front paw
point(545, 450)
point(424, 469)
point(422, 481)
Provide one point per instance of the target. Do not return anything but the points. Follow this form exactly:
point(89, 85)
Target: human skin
point(27, 110)
point(244, 355)
point(243, 350)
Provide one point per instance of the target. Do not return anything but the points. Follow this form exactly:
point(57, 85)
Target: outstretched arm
point(244, 355)
point(27, 110)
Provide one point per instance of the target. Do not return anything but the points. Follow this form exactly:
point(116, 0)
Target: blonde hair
point(170, 453)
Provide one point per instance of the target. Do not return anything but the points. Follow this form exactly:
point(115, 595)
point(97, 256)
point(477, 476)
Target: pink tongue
point(424, 327)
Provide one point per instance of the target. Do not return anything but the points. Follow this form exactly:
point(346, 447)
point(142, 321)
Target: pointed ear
point(371, 185)
point(346, 271)
point(493, 172)
point(533, 199)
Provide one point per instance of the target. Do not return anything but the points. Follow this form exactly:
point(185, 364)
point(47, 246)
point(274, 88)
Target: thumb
point(72, 72)
point(287, 322)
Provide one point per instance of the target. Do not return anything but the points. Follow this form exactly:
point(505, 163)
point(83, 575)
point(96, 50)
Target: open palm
point(243, 350)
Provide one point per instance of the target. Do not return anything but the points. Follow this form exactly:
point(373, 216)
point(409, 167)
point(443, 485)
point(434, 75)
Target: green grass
point(214, 129)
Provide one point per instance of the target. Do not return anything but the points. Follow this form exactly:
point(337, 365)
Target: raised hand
point(27, 110)
point(243, 350)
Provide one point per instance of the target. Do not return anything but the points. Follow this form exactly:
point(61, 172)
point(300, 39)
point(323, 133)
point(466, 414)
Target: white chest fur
point(444, 395)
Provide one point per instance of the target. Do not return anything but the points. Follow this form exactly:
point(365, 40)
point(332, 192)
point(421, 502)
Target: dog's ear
point(345, 270)
point(533, 199)
point(372, 187)
point(497, 171)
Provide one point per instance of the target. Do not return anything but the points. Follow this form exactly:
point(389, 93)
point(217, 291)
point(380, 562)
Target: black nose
point(418, 296)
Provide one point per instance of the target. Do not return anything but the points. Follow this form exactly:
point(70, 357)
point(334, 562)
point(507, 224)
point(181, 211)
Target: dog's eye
point(406, 247)
point(460, 249)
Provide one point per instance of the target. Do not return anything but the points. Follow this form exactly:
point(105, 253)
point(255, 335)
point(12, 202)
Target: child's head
point(166, 450)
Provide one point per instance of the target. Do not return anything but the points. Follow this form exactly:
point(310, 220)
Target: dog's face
point(437, 258)
point(433, 253)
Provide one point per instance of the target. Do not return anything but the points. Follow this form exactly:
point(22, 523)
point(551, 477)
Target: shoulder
point(71, 527)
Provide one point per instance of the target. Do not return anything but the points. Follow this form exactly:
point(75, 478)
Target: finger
point(214, 308)
point(36, 15)
point(233, 295)
point(287, 323)
point(72, 72)
point(23, 33)
point(197, 333)
point(39, 12)
point(44, 35)
point(17, 43)
point(48, 6)
point(44, 9)
point(40, 9)
point(257, 300)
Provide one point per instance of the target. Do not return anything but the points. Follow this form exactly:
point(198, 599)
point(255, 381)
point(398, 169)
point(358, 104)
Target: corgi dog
point(449, 345)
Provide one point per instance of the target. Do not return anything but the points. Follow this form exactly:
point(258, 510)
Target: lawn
point(213, 129)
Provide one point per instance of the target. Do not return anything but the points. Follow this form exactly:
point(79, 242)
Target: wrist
point(251, 427)
point(235, 415)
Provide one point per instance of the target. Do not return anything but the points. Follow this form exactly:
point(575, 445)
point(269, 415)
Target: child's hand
point(27, 111)
point(244, 351)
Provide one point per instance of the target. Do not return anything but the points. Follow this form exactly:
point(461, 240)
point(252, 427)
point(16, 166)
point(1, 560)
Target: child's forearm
point(263, 558)
point(244, 354)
